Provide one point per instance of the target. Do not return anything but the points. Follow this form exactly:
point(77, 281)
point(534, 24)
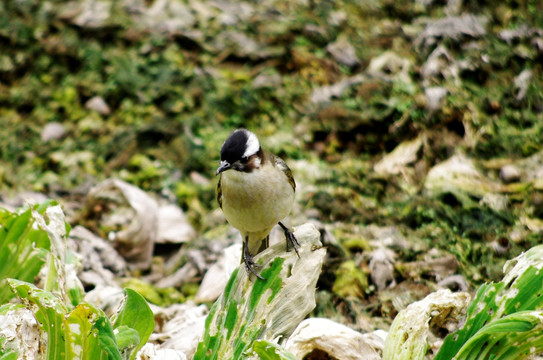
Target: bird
point(255, 192)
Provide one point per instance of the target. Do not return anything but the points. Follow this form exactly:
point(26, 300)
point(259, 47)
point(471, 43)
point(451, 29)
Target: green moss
point(350, 280)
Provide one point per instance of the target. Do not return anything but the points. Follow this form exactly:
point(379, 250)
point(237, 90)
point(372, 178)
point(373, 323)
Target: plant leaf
point(23, 249)
point(137, 315)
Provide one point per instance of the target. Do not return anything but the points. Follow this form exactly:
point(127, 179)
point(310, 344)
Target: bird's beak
point(224, 165)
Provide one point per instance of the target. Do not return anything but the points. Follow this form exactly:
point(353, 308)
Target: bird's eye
point(244, 160)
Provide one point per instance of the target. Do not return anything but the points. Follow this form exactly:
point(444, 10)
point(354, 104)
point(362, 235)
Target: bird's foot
point(292, 242)
point(250, 263)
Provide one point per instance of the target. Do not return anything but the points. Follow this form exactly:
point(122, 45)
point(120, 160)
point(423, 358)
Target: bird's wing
point(219, 192)
point(281, 165)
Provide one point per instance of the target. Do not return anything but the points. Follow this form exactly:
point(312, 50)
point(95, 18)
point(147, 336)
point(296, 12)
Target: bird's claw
point(250, 263)
point(292, 242)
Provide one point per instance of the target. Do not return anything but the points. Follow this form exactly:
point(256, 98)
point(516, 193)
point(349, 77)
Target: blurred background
point(414, 129)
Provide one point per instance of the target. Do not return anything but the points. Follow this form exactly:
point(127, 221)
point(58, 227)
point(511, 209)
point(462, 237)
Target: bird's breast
point(256, 201)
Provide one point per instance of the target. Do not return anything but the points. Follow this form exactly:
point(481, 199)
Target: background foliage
point(176, 77)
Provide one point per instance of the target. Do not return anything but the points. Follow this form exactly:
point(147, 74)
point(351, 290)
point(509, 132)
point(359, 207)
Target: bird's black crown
point(235, 146)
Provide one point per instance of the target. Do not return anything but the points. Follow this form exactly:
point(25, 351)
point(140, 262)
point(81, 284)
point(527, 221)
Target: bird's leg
point(291, 239)
point(248, 259)
point(264, 244)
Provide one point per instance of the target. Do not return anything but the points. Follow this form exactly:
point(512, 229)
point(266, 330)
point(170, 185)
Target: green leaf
point(503, 318)
point(23, 249)
point(82, 336)
point(84, 333)
point(513, 337)
point(269, 351)
point(50, 315)
point(107, 340)
point(137, 315)
point(7, 354)
point(4, 309)
point(127, 340)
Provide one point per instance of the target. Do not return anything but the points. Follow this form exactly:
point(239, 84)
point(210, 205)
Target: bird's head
point(240, 152)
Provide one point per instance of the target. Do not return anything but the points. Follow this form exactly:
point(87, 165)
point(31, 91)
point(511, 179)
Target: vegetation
point(414, 131)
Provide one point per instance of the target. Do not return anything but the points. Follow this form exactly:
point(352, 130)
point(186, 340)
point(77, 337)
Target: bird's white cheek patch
point(252, 145)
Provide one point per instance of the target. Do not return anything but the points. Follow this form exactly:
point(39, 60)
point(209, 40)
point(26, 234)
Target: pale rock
point(134, 213)
point(183, 327)
point(382, 268)
point(509, 173)
point(390, 66)
point(522, 82)
point(99, 105)
point(434, 97)
point(101, 263)
point(19, 331)
point(404, 154)
point(173, 225)
point(344, 53)
point(324, 94)
point(108, 298)
point(151, 351)
point(409, 334)
point(459, 176)
point(218, 274)
point(336, 340)
point(53, 131)
point(452, 27)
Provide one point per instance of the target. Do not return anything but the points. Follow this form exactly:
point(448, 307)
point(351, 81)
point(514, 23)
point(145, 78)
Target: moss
point(350, 280)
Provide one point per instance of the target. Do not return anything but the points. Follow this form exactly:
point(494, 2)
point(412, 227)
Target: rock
point(390, 66)
point(218, 274)
point(454, 283)
point(409, 334)
point(180, 327)
point(90, 14)
point(337, 341)
point(519, 33)
point(22, 199)
point(233, 12)
point(440, 64)
point(521, 82)
point(497, 202)
point(404, 154)
point(108, 298)
point(344, 53)
point(386, 236)
point(152, 351)
point(265, 80)
point(173, 225)
point(101, 263)
point(20, 332)
point(382, 268)
point(434, 97)
point(169, 17)
point(460, 177)
point(435, 263)
point(452, 27)
point(337, 18)
point(276, 306)
point(132, 217)
point(99, 105)
point(53, 131)
point(324, 94)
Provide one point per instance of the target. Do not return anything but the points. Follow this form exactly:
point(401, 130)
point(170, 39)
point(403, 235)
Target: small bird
point(255, 191)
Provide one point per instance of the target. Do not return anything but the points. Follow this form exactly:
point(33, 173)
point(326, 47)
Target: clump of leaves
point(503, 321)
point(73, 328)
